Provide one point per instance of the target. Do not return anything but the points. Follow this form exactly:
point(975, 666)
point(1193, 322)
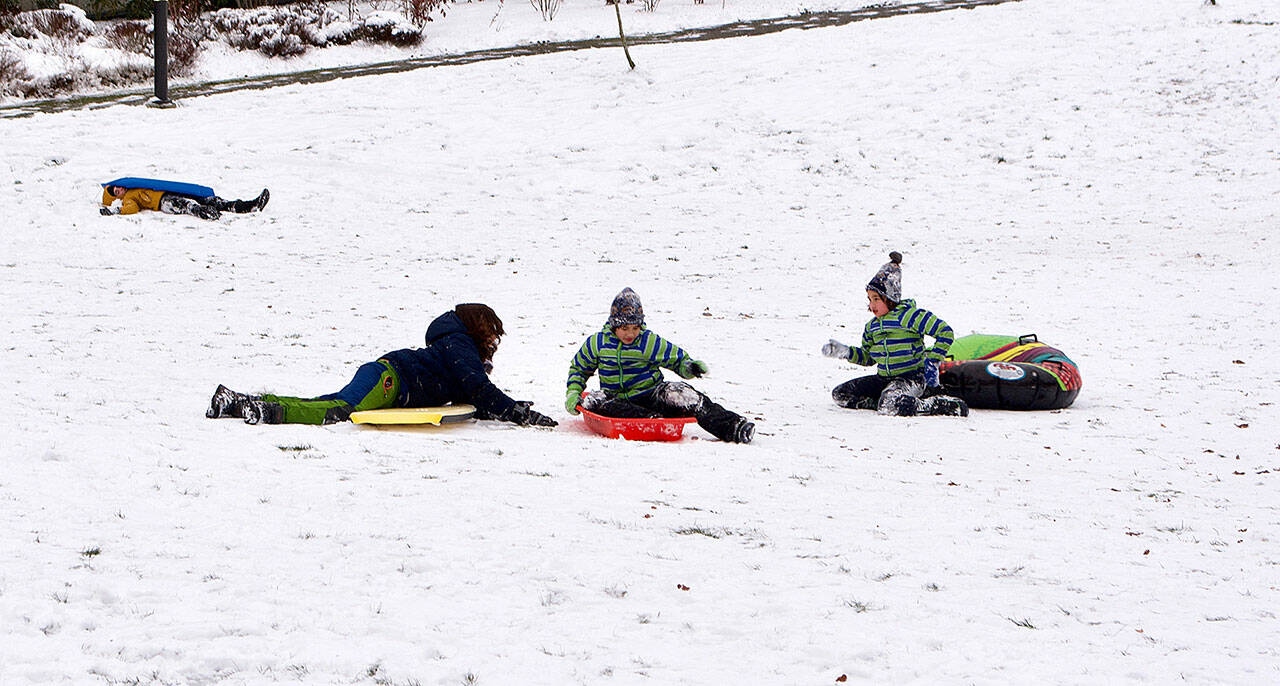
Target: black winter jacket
point(447, 370)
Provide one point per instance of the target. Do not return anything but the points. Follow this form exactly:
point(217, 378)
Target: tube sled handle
point(1027, 338)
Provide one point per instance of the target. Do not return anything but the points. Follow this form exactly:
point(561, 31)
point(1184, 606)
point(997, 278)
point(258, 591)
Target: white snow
point(1103, 174)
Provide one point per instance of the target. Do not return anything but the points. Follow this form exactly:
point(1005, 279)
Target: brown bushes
point(290, 30)
point(12, 71)
point(276, 31)
point(65, 26)
point(130, 36)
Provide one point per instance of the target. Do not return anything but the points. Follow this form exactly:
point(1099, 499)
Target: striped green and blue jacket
point(625, 370)
point(895, 342)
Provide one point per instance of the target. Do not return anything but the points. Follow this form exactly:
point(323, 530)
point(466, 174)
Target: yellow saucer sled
point(445, 414)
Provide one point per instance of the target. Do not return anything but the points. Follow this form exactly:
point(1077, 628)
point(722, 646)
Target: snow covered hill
point(1105, 175)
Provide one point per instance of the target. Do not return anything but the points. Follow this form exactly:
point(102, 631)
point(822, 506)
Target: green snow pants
point(375, 386)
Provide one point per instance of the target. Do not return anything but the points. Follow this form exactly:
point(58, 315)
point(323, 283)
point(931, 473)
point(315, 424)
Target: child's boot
point(744, 432)
point(946, 405)
point(226, 403)
point(242, 206)
point(263, 412)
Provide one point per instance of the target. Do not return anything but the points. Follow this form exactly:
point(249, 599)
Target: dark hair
point(482, 325)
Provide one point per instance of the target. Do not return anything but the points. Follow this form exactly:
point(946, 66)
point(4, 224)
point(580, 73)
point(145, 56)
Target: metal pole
point(160, 9)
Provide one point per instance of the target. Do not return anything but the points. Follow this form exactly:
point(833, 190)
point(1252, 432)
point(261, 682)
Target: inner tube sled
point(1009, 373)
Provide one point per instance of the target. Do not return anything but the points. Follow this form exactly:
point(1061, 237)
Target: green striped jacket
point(895, 342)
point(625, 370)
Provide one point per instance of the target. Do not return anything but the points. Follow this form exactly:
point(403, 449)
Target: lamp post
point(160, 10)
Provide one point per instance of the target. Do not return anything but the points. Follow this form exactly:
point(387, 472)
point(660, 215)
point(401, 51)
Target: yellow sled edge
point(415, 415)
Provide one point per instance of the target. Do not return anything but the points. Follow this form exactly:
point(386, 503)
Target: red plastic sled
point(660, 429)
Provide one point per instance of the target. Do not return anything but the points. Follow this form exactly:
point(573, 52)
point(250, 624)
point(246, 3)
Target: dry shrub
point(130, 36)
point(184, 48)
point(65, 26)
point(187, 11)
point(343, 33)
point(273, 31)
point(419, 11)
point(46, 87)
point(136, 37)
point(282, 44)
point(12, 70)
point(547, 8)
point(61, 84)
point(127, 75)
point(58, 24)
point(381, 28)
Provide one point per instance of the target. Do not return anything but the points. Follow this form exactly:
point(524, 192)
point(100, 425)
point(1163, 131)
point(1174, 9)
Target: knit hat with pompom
point(888, 281)
point(626, 309)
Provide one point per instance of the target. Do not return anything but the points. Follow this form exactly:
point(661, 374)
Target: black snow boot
point(727, 426)
point(243, 206)
point(254, 205)
point(945, 405)
point(262, 412)
point(226, 403)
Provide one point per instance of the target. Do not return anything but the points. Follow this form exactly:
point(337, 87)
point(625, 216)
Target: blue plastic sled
point(189, 189)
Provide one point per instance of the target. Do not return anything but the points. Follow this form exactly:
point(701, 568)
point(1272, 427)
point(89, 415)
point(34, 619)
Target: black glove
point(524, 415)
point(105, 211)
point(538, 419)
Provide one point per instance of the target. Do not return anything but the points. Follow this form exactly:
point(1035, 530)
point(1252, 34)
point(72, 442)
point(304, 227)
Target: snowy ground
point(1106, 175)
point(92, 59)
point(471, 26)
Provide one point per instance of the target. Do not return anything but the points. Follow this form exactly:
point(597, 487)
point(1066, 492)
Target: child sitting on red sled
point(630, 358)
point(906, 380)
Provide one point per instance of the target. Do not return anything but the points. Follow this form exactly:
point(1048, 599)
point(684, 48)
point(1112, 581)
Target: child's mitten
point(571, 399)
point(692, 369)
point(931, 374)
point(838, 350)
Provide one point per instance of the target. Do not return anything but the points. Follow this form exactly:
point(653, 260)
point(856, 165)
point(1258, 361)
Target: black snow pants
point(899, 396)
point(204, 208)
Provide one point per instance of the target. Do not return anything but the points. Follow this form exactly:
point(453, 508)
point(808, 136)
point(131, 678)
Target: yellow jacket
point(134, 199)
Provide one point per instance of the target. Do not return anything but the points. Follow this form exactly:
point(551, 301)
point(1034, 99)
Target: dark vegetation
point(273, 30)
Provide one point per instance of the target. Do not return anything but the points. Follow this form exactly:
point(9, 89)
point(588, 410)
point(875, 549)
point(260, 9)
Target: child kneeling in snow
point(906, 380)
point(452, 368)
point(630, 358)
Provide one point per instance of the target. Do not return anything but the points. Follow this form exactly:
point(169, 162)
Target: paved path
point(754, 27)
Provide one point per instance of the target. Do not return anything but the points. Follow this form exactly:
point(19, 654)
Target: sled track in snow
point(754, 27)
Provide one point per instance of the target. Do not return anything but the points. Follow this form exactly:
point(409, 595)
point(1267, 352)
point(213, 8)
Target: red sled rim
point(658, 429)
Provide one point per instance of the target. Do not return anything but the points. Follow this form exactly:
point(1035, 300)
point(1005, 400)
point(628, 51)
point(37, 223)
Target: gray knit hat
point(888, 281)
point(626, 309)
